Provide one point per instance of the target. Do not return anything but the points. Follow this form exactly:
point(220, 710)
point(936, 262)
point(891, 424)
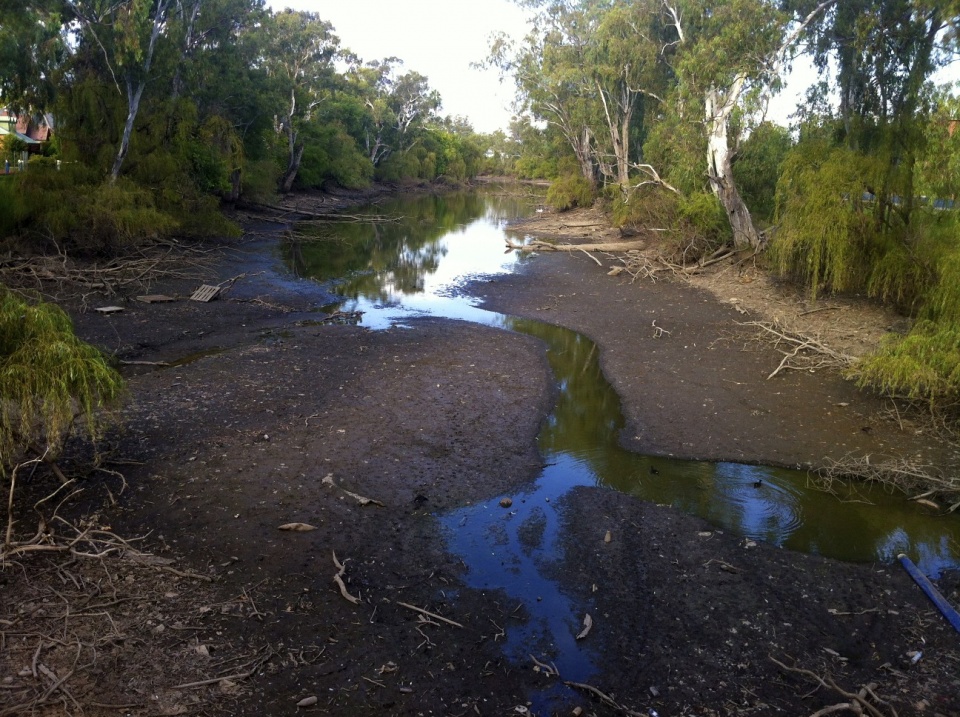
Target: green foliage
point(260, 180)
point(820, 237)
point(705, 220)
point(697, 222)
point(757, 169)
point(9, 206)
point(569, 192)
point(677, 148)
point(924, 365)
point(332, 155)
point(85, 217)
point(48, 379)
point(646, 207)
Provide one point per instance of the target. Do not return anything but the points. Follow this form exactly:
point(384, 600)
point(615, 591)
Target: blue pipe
point(953, 617)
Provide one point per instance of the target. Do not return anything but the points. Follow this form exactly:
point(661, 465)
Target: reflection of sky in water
point(579, 441)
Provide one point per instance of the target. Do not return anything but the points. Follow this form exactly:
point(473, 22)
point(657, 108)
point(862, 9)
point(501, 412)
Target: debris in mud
point(338, 579)
point(587, 624)
point(362, 500)
point(205, 293)
point(298, 527)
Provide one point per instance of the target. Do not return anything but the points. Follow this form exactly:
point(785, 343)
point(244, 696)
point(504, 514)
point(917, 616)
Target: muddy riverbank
point(372, 437)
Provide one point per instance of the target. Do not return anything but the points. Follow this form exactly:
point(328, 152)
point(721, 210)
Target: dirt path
point(424, 420)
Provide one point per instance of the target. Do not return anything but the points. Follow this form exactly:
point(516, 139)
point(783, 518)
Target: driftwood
point(539, 245)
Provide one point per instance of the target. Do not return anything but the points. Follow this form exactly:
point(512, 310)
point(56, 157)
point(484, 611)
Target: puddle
point(196, 356)
point(393, 272)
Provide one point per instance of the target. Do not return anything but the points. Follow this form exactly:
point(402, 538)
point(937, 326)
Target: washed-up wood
point(155, 298)
point(109, 309)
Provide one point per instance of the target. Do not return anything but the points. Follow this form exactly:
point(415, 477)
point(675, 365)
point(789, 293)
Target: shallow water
point(396, 271)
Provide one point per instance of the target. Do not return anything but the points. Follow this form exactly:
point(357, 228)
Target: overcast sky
point(437, 38)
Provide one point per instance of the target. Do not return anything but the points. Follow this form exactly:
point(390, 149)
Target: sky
point(437, 38)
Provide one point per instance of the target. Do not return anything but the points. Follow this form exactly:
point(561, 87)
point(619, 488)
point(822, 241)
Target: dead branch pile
point(137, 271)
point(800, 352)
point(919, 482)
point(649, 264)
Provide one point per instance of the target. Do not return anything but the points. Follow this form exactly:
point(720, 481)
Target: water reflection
point(397, 270)
point(383, 262)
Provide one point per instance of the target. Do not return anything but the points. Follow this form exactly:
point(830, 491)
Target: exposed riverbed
point(440, 420)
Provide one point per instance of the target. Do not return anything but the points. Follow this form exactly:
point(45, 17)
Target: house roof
point(24, 138)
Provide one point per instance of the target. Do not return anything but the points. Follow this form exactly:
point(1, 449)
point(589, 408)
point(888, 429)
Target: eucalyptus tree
point(885, 52)
point(299, 56)
point(32, 48)
point(550, 71)
point(623, 61)
point(127, 34)
point(397, 106)
point(727, 56)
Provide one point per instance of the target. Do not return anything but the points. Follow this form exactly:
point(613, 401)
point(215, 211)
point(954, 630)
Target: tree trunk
point(718, 107)
point(133, 107)
point(286, 182)
point(585, 156)
point(134, 96)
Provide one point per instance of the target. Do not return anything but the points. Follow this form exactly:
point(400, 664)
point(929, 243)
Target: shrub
point(48, 380)
point(570, 191)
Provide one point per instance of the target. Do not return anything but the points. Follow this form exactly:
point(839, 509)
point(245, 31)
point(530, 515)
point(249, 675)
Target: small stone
point(505, 502)
point(608, 537)
point(307, 702)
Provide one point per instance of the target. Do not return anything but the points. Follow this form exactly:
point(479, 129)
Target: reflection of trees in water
point(586, 424)
point(378, 260)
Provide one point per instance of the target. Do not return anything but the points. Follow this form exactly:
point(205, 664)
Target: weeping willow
point(817, 243)
point(51, 382)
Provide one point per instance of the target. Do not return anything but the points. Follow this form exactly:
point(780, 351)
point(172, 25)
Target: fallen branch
point(898, 473)
point(856, 702)
point(540, 245)
point(803, 353)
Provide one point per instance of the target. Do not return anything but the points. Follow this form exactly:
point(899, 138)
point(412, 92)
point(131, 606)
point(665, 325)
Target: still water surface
point(395, 271)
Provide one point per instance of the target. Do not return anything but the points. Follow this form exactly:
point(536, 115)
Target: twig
point(599, 263)
point(441, 618)
point(604, 698)
point(551, 669)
